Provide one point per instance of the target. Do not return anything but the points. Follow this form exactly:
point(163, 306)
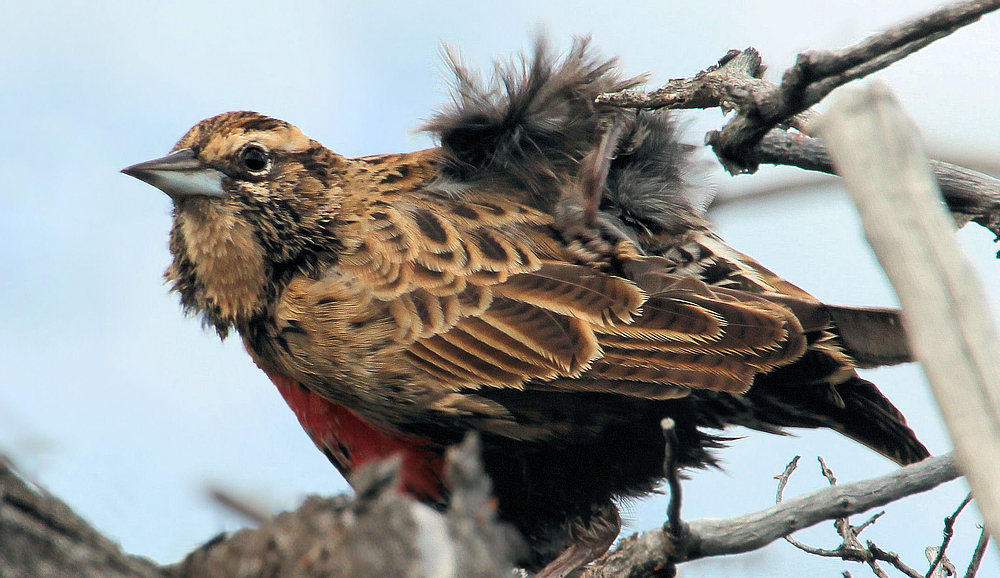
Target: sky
point(129, 411)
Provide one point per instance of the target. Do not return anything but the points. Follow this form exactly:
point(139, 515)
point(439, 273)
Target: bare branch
point(779, 496)
point(977, 556)
point(869, 521)
point(735, 83)
point(239, 505)
point(893, 559)
point(40, 533)
point(851, 549)
point(970, 195)
point(784, 477)
point(751, 138)
point(738, 72)
point(816, 73)
point(379, 533)
point(876, 569)
point(826, 471)
point(42, 536)
point(949, 532)
point(670, 470)
point(944, 569)
point(640, 553)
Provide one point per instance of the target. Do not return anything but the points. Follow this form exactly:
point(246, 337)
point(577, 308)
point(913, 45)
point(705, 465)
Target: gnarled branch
point(751, 137)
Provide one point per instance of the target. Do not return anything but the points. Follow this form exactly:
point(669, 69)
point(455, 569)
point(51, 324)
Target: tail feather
point(873, 337)
point(854, 408)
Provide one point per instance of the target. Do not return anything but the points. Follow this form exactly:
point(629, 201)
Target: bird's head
point(255, 201)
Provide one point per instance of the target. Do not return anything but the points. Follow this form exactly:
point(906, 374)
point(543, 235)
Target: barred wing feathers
point(505, 311)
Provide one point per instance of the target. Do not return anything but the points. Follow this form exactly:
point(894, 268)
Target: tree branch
point(977, 556)
point(751, 138)
point(384, 533)
point(640, 554)
point(41, 536)
point(970, 195)
point(949, 532)
point(381, 532)
point(735, 83)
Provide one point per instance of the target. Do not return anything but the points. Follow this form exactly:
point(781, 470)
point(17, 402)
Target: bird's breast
point(331, 336)
point(350, 442)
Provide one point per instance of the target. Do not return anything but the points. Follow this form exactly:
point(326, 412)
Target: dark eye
point(255, 159)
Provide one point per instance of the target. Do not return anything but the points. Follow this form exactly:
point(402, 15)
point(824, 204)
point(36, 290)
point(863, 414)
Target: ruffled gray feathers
point(530, 126)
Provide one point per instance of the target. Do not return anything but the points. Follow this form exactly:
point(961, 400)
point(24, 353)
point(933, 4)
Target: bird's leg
point(576, 215)
point(595, 168)
point(591, 538)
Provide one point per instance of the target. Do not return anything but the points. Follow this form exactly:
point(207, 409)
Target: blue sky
point(128, 410)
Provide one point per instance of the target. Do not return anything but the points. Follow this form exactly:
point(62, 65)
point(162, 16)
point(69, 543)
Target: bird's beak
point(179, 174)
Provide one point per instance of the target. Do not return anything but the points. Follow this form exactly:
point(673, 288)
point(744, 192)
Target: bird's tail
point(853, 407)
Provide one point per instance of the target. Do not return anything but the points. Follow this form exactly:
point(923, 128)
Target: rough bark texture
point(758, 133)
point(735, 83)
point(381, 533)
point(378, 533)
point(42, 537)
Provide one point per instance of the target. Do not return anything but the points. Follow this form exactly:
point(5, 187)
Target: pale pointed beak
point(179, 174)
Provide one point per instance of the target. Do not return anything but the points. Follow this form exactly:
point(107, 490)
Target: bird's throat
point(219, 251)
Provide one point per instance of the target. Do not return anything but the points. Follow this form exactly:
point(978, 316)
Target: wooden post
point(877, 150)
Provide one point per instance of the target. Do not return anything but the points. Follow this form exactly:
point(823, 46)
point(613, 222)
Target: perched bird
point(545, 277)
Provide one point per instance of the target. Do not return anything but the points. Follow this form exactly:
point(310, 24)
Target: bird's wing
point(480, 297)
point(871, 336)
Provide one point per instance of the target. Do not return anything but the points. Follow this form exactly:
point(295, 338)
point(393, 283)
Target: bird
point(545, 276)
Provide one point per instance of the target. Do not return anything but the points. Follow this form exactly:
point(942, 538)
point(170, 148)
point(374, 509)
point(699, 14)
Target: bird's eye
point(255, 159)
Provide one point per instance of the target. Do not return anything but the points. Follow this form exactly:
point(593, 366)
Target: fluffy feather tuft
point(529, 126)
point(652, 185)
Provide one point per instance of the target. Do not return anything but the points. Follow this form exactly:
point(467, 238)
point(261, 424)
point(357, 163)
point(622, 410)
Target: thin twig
point(949, 532)
point(817, 73)
point(869, 522)
point(945, 569)
point(971, 195)
point(739, 71)
point(736, 83)
point(850, 549)
point(977, 556)
point(779, 496)
point(843, 525)
point(635, 555)
point(876, 569)
point(783, 478)
point(827, 472)
point(241, 506)
point(893, 559)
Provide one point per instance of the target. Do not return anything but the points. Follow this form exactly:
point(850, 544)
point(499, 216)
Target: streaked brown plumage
point(399, 301)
